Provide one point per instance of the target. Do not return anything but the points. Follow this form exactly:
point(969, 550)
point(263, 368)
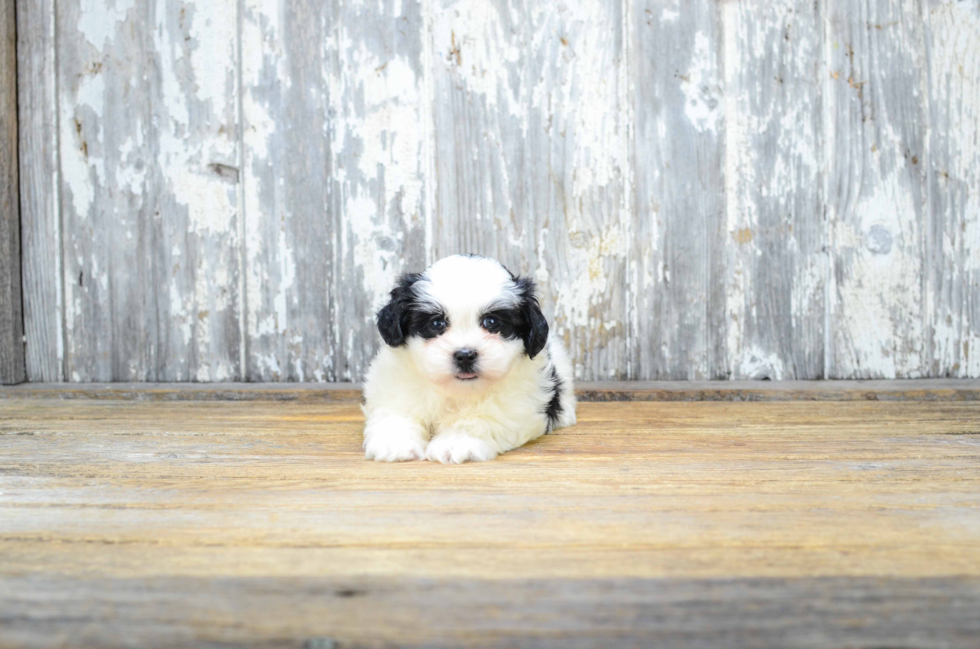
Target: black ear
point(393, 318)
point(534, 329)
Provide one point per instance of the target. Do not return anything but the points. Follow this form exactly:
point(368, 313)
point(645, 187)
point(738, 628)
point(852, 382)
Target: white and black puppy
point(468, 371)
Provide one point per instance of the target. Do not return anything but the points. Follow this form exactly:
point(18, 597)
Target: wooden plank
point(953, 257)
point(532, 157)
point(148, 129)
point(11, 314)
point(763, 521)
point(380, 108)
point(334, 105)
point(880, 390)
point(775, 231)
point(290, 243)
point(345, 612)
point(39, 190)
point(678, 324)
point(707, 490)
point(877, 194)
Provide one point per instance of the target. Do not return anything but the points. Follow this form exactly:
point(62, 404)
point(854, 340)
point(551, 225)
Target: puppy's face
point(465, 320)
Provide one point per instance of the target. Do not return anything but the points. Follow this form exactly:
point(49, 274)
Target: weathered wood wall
point(11, 318)
point(225, 190)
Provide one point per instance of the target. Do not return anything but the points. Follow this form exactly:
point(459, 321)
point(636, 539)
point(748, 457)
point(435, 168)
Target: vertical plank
point(532, 157)
point(147, 120)
point(379, 107)
point(289, 235)
point(40, 217)
point(679, 241)
point(11, 318)
point(877, 193)
point(775, 232)
point(480, 106)
point(954, 188)
point(579, 176)
point(334, 109)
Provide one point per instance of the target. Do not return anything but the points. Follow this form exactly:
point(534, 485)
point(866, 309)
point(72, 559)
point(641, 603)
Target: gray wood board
point(39, 190)
point(952, 257)
point(11, 318)
point(877, 207)
point(321, 612)
point(876, 390)
point(289, 237)
point(148, 145)
point(227, 191)
point(532, 158)
point(678, 261)
point(334, 102)
point(775, 234)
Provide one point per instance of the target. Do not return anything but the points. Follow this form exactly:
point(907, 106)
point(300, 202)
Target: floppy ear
point(534, 330)
point(393, 317)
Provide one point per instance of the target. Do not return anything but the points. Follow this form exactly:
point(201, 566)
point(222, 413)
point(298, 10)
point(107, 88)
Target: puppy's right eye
point(438, 325)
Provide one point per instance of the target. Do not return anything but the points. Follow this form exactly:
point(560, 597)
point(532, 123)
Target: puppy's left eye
point(490, 323)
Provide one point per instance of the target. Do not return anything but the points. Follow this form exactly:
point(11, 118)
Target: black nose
point(465, 357)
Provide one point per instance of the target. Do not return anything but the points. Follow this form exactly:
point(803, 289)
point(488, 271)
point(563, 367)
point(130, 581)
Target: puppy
point(468, 370)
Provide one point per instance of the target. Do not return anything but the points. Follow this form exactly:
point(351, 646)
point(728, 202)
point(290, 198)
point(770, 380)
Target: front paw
point(456, 448)
point(393, 442)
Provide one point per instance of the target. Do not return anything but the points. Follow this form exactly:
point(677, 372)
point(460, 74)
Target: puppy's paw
point(456, 448)
point(393, 441)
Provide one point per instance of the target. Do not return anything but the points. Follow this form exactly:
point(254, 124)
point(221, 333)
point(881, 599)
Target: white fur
point(417, 407)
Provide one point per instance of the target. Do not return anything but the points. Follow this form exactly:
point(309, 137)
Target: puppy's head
point(465, 320)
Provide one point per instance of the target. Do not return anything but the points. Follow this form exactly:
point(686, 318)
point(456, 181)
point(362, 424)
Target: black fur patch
point(509, 322)
point(535, 327)
point(554, 408)
point(405, 315)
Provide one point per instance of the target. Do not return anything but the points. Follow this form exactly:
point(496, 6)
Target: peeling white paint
point(98, 19)
point(955, 124)
point(473, 39)
point(79, 159)
point(386, 129)
point(704, 98)
point(881, 296)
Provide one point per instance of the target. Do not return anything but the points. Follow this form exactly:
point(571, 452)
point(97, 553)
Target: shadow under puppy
point(469, 370)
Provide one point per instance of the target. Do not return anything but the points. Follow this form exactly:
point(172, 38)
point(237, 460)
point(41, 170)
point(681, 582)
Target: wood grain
point(877, 197)
point(633, 613)
point(881, 390)
point(380, 107)
point(775, 229)
point(780, 524)
point(11, 313)
point(678, 323)
point(953, 254)
point(40, 186)
point(531, 151)
point(290, 242)
point(149, 163)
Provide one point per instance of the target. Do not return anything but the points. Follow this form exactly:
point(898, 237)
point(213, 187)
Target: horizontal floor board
point(258, 523)
point(891, 390)
point(316, 612)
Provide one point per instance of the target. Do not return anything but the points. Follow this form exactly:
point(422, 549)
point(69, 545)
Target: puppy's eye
point(490, 323)
point(438, 324)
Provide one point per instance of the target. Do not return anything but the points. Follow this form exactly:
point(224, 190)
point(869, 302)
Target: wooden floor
point(650, 524)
